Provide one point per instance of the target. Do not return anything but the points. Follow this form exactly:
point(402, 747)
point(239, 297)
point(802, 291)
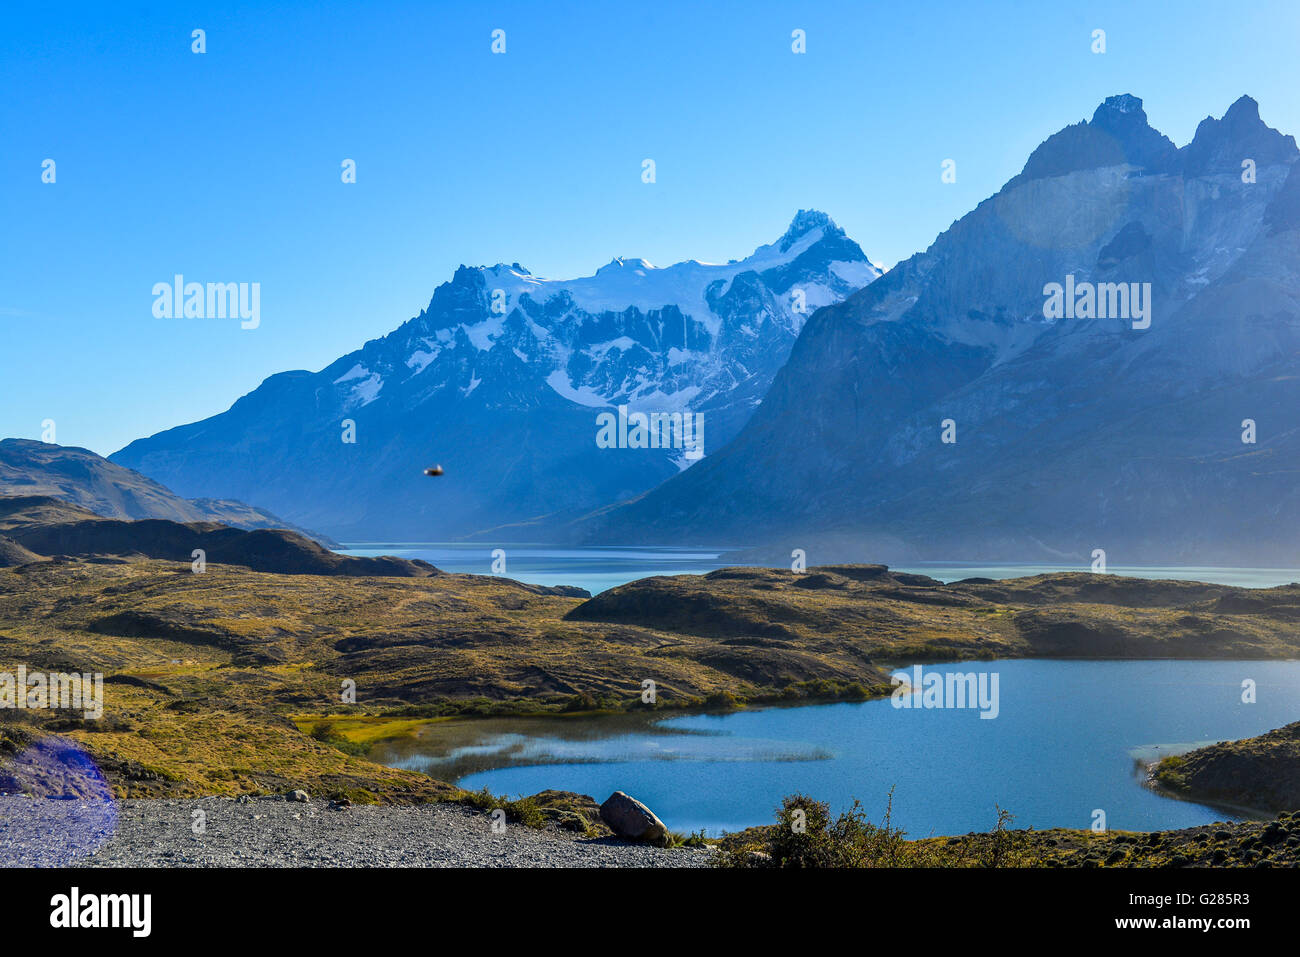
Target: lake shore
point(276, 832)
point(1261, 773)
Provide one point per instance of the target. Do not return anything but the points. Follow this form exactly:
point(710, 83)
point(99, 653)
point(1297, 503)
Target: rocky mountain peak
point(620, 263)
point(1124, 104)
point(1245, 109)
point(804, 222)
point(1220, 146)
point(1118, 134)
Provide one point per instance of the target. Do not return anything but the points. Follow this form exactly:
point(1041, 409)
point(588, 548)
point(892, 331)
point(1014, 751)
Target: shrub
point(525, 811)
point(805, 835)
point(1169, 773)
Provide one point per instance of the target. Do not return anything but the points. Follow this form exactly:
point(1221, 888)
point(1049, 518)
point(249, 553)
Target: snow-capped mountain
point(502, 380)
point(950, 411)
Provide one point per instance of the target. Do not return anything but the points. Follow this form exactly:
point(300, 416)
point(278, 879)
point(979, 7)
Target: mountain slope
point(32, 526)
point(1071, 433)
point(83, 478)
point(501, 380)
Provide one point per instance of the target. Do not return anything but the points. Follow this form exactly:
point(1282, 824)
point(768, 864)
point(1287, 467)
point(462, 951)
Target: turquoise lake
point(596, 568)
point(1069, 739)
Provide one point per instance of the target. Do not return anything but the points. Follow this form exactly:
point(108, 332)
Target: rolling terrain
point(225, 681)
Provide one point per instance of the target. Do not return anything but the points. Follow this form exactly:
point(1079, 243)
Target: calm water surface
point(1069, 739)
point(596, 568)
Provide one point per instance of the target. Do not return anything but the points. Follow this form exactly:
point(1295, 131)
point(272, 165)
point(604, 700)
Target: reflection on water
point(453, 750)
point(1070, 737)
point(594, 568)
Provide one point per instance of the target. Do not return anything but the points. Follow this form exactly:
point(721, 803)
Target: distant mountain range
point(80, 477)
point(1157, 419)
point(503, 381)
point(1104, 356)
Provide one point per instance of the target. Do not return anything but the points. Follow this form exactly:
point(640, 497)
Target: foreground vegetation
point(806, 836)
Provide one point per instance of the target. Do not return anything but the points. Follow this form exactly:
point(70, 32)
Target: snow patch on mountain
point(420, 359)
point(559, 381)
point(634, 330)
point(625, 283)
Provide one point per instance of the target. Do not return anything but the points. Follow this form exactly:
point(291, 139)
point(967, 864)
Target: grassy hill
point(80, 477)
point(229, 681)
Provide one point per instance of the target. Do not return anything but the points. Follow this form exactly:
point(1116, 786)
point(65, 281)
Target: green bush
point(525, 811)
point(805, 835)
point(1169, 773)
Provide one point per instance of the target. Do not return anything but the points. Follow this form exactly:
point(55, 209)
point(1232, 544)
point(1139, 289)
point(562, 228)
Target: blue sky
point(226, 166)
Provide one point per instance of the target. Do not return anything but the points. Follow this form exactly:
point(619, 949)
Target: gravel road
point(274, 832)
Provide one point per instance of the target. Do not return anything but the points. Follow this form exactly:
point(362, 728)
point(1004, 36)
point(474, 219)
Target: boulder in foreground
point(629, 818)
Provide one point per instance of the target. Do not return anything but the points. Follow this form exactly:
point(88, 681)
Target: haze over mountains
point(1072, 434)
point(944, 411)
point(80, 477)
point(501, 380)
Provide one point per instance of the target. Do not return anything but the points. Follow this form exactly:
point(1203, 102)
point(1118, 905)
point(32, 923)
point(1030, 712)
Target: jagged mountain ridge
point(1071, 434)
point(501, 379)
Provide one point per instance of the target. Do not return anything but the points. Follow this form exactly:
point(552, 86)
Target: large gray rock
point(627, 817)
